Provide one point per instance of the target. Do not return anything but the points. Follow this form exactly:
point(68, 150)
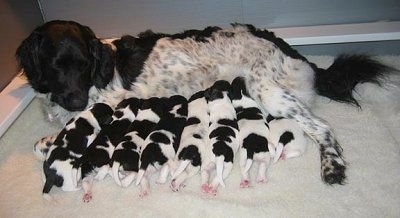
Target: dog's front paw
point(333, 167)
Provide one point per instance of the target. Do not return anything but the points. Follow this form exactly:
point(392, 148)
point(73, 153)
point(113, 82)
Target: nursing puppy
point(125, 159)
point(70, 145)
point(161, 145)
point(287, 137)
point(95, 162)
point(194, 137)
point(253, 131)
point(223, 141)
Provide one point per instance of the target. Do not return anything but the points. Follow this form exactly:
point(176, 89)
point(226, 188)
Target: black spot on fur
point(286, 137)
point(220, 148)
point(254, 143)
point(223, 134)
point(51, 178)
point(128, 158)
point(197, 95)
point(252, 113)
point(230, 123)
point(151, 155)
point(192, 121)
point(197, 136)
point(159, 137)
point(191, 153)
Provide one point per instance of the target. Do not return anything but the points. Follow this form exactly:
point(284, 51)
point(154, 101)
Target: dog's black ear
point(27, 55)
point(103, 62)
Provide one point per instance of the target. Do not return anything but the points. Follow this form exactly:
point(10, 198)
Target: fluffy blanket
point(369, 136)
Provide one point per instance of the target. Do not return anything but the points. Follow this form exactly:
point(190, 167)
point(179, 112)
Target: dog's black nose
point(76, 104)
point(72, 102)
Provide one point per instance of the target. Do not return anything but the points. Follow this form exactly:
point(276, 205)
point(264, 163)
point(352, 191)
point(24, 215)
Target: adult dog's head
point(65, 59)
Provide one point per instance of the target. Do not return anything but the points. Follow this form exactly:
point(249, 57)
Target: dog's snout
point(72, 101)
point(77, 104)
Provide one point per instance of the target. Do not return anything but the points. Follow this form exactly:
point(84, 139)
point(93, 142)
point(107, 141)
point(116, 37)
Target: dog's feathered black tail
point(338, 81)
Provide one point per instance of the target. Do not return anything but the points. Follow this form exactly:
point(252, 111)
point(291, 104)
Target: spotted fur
point(253, 132)
point(161, 145)
point(70, 144)
point(126, 156)
point(223, 142)
point(287, 137)
point(191, 152)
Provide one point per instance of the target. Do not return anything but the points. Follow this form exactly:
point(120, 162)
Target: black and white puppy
point(161, 145)
point(126, 156)
point(194, 137)
point(253, 131)
point(70, 145)
point(287, 137)
point(95, 162)
point(223, 141)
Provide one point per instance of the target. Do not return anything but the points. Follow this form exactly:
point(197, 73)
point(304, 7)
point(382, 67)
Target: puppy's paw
point(205, 188)
point(87, 197)
point(245, 184)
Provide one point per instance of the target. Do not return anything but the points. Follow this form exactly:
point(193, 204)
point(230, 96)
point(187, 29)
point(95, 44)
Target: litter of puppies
point(175, 137)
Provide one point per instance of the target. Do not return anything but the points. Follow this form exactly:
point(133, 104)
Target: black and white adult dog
point(126, 157)
point(95, 162)
point(161, 145)
point(223, 137)
point(70, 144)
point(254, 133)
point(65, 60)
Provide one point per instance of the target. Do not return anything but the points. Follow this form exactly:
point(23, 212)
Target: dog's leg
point(280, 102)
point(87, 184)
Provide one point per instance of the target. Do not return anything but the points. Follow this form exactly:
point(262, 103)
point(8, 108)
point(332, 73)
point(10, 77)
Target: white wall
point(113, 18)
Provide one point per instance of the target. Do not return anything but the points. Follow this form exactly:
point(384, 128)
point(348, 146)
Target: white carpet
point(370, 138)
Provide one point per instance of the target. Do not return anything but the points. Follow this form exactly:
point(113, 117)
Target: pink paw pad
point(245, 184)
point(143, 194)
point(205, 188)
point(87, 197)
point(213, 191)
point(261, 180)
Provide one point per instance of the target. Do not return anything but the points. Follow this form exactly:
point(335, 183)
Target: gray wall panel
point(113, 18)
point(17, 19)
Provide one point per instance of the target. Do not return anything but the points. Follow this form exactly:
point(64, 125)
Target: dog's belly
point(185, 66)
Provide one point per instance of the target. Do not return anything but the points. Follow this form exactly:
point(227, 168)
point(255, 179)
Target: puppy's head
point(238, 86)
point(177, 105)
point(103, 113)
point(65, 59)
point(216, 91)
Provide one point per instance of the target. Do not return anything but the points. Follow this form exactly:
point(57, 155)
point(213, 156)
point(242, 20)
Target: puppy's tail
point(339, 80)
point(115, 172)
point(182, 166)
point(140, 175)
point(278, 152)
point(219, 165)
point(76, 175)
point(249, 162)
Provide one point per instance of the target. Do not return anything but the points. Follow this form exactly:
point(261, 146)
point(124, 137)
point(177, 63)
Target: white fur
point(219, 109)
point(295, 147)
point(197, 108)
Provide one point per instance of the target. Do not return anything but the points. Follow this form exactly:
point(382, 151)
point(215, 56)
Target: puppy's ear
point(27, 55)
point(103, 62)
